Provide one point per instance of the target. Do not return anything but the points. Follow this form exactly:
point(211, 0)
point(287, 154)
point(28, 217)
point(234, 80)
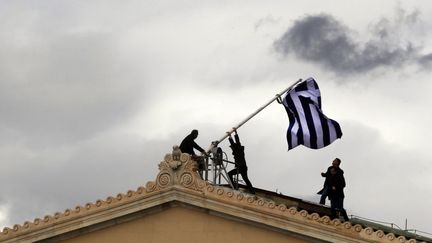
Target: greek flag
point(307, 124)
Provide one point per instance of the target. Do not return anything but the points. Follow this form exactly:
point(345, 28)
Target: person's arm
point(237, 138)
point(231, 141)
point(197, 147)
point(327, 173)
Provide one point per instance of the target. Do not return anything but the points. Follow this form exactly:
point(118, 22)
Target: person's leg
point(231, 173)
point(324, 195)
point(200, 164)
point(342, 210)
point(333, 204)
point(243, 173)
point(344, 214)
point(338, 206)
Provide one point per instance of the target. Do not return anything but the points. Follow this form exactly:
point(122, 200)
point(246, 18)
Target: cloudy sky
point(94, 93)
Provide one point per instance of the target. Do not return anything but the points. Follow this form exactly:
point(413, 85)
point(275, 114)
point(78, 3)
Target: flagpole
point(213, 144)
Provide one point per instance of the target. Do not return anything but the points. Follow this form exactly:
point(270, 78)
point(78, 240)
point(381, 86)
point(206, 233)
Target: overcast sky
point(93, 94)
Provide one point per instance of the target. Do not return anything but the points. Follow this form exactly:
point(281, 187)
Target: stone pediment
point(179, 184)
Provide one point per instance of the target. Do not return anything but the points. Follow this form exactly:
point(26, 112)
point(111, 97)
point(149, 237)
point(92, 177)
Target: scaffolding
point(215, 167)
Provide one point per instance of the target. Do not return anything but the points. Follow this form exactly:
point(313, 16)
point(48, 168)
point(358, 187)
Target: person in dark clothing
point(188, 145)
point(324, 192)
point(240, 162)
point(336, 184)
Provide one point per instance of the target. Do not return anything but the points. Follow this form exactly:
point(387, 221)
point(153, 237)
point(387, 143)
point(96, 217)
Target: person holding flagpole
point(188, 145)
point(240, 162)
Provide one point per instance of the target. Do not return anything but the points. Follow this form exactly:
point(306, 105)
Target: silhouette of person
point(240, 162)
point(336, 184)
point(324, 192)
point(188, 145)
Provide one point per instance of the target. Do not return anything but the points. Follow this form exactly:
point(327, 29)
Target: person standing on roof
point(336, 184)
point(240, 162)
point(324, 192)
point(188, 145)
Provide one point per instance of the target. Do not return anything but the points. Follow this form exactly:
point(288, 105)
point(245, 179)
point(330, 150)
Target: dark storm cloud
point(323, 40)
point(426, 60)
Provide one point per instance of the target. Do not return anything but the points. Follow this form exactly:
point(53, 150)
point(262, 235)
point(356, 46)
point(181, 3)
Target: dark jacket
point(337, 182)
point(188, 145)
point(238, 151)
point(327, 174)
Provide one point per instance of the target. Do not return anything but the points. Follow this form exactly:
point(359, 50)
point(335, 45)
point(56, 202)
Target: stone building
point(181, 207)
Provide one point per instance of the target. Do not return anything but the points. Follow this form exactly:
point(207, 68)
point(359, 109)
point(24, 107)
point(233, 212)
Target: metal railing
point(394, 226)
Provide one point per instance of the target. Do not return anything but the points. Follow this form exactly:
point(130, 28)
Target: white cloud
point(89, 84)
point(4, 215)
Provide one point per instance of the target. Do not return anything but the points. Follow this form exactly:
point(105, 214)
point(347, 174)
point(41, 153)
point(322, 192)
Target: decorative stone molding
point(177, 168)
point(178, 174)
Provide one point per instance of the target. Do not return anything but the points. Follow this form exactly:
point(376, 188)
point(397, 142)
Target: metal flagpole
point(215, 143)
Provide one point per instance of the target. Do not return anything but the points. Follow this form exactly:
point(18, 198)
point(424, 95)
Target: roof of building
point(178, 182)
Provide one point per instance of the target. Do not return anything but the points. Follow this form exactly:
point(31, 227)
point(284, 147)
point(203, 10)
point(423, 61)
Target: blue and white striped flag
point(307, 124)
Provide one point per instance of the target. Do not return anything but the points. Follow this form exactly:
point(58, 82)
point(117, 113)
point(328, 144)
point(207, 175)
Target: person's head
point(336, 162)
point(194, 133)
